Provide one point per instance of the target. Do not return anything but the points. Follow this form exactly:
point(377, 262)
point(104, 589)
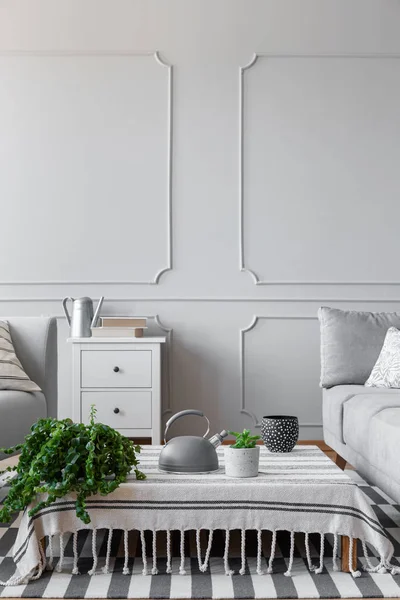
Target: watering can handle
point(64, 303)
point(184, 413)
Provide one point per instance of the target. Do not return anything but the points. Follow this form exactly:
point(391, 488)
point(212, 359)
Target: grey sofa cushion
point(334, 400)
point(18, 410)
point(358, 414)
point(389, 484)
point(384, 436)
point(350, 344)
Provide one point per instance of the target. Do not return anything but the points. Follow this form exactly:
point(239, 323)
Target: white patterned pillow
point(12, 375)
point(386, 372)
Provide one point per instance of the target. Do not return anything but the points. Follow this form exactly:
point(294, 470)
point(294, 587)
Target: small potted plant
point(243, 457)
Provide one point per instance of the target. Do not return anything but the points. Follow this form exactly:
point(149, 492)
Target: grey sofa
point(361, 424)
point(35, 343)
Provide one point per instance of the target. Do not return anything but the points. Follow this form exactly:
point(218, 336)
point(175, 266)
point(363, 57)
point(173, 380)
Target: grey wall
point(225, 187)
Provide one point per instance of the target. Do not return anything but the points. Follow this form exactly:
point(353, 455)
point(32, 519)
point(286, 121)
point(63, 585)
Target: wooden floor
point(328, 451)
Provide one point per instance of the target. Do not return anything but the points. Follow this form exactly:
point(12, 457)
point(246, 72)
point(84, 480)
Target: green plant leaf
point(59, 457)
point(244, 439)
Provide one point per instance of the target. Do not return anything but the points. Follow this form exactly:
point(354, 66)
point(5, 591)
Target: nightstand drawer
point(120, 410)
point(115, 368)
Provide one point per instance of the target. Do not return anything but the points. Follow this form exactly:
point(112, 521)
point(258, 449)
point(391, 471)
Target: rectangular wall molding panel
point(277, 378)
point(316, 152)
point(86, 141)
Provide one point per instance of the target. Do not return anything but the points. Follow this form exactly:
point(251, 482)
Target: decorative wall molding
point(168, 387)
point(242, 260)
point(253, 323)
point(218, 299)
point(160, 61)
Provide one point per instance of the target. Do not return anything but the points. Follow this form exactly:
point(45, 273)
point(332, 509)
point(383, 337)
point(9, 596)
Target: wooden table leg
point(346, 552)
point(341, 462)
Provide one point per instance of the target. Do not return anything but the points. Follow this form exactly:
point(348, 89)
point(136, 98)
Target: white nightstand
point(122, 377)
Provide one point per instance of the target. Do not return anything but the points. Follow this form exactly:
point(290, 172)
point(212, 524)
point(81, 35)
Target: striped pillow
point(12, 375)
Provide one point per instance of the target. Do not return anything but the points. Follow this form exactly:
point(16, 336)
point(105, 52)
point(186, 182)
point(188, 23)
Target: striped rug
point(213, 583)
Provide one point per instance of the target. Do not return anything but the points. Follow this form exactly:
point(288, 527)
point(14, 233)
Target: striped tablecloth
point(303, 491)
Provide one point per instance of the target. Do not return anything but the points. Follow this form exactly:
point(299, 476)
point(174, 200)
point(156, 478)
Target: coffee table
point(300, 492)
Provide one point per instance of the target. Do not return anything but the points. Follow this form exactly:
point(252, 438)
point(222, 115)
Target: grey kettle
point(82, 318)
point(190, 453)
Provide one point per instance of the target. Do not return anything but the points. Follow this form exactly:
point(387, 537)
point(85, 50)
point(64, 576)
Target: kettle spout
point(216, 440)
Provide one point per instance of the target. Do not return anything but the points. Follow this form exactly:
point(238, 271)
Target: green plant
point(59, 457)
point(244, 439)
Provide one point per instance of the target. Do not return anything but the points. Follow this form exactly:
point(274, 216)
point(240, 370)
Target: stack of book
point(120, 327)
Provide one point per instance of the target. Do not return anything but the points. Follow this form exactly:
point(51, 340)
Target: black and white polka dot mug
point(280, 432)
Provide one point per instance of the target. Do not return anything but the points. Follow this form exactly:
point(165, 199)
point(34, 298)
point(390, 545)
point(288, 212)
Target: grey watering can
point(82, 317)
point(190, 453)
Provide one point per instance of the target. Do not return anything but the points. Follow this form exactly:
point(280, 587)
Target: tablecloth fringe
point(383, 565)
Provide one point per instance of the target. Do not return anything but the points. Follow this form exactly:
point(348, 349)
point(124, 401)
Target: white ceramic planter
point(242, 462)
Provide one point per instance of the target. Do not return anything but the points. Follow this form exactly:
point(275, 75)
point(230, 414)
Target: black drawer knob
point(116, 369)
point(116, 410)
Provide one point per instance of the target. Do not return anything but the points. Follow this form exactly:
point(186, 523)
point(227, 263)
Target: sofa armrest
point(35, 342)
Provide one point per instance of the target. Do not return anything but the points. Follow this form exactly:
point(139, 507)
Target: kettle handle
point(64, 303)
point(184, 413)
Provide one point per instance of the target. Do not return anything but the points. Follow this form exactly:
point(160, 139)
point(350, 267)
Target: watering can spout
point(97, 312)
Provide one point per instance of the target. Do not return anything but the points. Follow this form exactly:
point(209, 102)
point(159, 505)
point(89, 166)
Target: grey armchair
point(35, 343)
